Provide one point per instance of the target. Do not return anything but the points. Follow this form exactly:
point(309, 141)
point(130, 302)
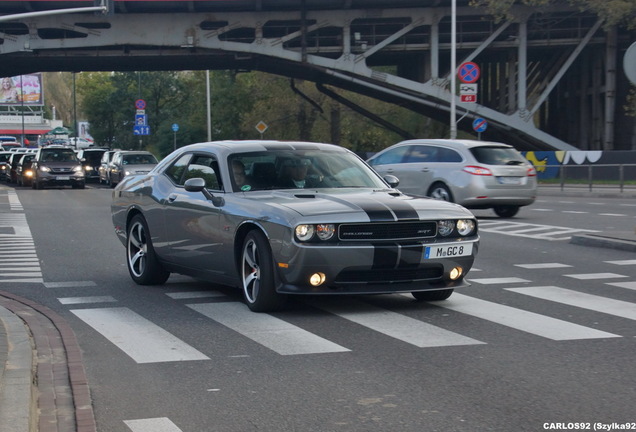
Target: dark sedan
point(279, 218)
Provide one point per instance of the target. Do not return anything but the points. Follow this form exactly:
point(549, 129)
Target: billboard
point(22, 90)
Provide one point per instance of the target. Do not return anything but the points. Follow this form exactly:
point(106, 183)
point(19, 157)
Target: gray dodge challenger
point(276, 218)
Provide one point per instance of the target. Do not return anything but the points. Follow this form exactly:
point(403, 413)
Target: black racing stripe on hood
point(376, 211)
point(385, 256)
point(403, 210)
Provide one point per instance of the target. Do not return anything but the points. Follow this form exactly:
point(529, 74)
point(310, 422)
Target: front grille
point(389, 275)
point(61, 170)
point(387, 231)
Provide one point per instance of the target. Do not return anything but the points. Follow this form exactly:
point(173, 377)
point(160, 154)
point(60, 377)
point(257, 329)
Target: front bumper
point(371, 269)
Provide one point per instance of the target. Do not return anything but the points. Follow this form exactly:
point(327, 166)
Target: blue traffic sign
point(480, 125)
point(175, 127)
point(141, 120)
point(468, 72)
point(141, 130)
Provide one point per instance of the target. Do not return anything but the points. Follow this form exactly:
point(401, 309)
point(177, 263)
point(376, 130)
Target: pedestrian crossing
point(146, 342)
point(18, 258)
point(527, 230)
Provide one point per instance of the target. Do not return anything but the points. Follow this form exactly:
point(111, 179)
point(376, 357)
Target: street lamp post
point(453, 67)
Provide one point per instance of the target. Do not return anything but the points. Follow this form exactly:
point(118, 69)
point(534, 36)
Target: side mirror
point(392, 180)
point(197, 184)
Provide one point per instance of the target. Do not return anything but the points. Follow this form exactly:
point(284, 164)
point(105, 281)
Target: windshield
point(308, 169)
point(59, 156)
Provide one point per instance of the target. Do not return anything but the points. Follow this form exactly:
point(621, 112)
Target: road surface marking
point(519, 319)
point(269, 331)
point(142, 340)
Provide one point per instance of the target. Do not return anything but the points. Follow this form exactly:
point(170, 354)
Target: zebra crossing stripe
point(519, 319)
point(161, 424)
point(142, 340)
point(395, 325)
point(269, 331)
point(582, 300)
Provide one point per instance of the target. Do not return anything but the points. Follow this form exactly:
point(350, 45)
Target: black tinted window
point(497, 156)
point(448, 155)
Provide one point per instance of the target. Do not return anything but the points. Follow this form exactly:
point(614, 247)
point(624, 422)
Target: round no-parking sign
point(468, 72)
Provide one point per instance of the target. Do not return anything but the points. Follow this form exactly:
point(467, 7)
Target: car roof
point(456, 143)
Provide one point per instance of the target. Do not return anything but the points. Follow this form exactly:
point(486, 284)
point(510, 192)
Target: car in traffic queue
point(91, 161)
point(24, 169)
point(104, 166)
point(5, 166)
point(474, 174)
point(130, 162)
point(221, 212)
point(56, 165)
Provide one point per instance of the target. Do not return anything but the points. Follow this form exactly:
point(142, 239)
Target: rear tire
point(432, 295)
point(142, 262)
point(506, 211)
point(257, 274)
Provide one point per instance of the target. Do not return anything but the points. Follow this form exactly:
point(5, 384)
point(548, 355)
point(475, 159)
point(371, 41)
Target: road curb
point(606, 241)
point(62, 397)
point(18, 395)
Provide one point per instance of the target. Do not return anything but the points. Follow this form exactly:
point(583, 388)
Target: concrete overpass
point(550, 79)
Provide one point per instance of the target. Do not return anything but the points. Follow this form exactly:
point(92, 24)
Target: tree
point(613, 12)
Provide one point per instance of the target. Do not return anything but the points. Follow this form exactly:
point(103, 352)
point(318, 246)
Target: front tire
point(440, 191)
point(142, 262)
point(257, 274)
point(432, 295)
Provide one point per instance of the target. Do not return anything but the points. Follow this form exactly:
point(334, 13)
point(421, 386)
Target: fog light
point(456, 273)
point(317, 279)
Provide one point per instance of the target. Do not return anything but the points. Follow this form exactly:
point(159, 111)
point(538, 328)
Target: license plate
point(509, 180)
point(61, 178)
point(450, 250)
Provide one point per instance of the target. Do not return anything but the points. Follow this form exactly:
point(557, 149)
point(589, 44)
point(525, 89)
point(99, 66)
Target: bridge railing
point(589, 176)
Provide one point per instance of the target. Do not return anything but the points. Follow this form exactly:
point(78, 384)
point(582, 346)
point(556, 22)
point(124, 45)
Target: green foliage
point(612, 12)
point(292, 110)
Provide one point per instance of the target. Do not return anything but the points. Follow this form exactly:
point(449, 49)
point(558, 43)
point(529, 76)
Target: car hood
point(374, 205)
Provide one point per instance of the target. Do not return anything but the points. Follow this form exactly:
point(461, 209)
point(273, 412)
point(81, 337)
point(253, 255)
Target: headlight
point(78, 168)
point(305, 232)
point(45, 169)
point(445, 227)
point(315, 233)
point(325, 231)
point(465, 227)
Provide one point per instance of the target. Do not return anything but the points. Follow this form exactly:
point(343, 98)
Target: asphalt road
point(543, 339)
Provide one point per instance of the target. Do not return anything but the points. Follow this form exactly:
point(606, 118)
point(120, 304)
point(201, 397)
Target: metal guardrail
point(590, 176)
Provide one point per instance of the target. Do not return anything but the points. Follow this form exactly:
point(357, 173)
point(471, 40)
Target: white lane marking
point(623, 262)
point(593, 276)
point(142, 340)
point(583, 300)
point(519, 319)
point(70, 284)
point(503, 280)
point(86, 300)
point(160, 424)
point(628, 285)
point(269, 331)
point(398, 326)
point(194, 294)
point(542, 265)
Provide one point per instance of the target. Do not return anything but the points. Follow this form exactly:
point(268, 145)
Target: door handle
point(172, 197)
